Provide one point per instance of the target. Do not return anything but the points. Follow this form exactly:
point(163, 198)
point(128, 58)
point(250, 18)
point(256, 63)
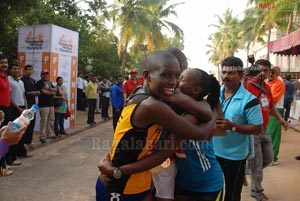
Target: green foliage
point(225, 41)
point(260, 17)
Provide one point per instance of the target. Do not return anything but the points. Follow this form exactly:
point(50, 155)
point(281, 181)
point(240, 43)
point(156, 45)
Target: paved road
point(67, 170)
point(61, 171)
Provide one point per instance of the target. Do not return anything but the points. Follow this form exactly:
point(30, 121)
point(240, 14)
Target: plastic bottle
point(25, 118)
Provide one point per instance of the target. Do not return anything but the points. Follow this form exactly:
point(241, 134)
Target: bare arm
point(14, 105)
point(47, 92)
point(150, 161)
point(146, 163)
point(201, 109)
point(250, 129)
point(154, 111)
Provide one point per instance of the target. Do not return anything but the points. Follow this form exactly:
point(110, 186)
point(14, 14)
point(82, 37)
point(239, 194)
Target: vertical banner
point(73, 90)
point(53, 48)
point(22, 60)
point(54, 67)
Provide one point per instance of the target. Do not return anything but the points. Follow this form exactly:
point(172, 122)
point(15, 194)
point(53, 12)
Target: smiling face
point(188, 84)
point(162, 74)
point(15, 71)
point(3, 65)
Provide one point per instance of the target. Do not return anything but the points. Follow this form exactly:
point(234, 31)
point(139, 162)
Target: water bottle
point(25, 118)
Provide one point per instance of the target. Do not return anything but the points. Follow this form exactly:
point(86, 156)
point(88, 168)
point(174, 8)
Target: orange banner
point(73, 88)
point(54, 67)
point(22, 61)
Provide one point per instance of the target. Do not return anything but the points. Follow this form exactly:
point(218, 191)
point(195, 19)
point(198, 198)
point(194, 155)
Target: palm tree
point(225, 41)
point(141, 22)
point(280, 15)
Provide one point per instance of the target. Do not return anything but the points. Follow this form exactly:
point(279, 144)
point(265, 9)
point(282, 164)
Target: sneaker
point(297, 157)
point(8, 167)
point(5, 172)
point(29, 146)
point(51, 137)
point(27, 155)
point(260, 196)
point(16, 163)
point(274, 163)
point(43, 140)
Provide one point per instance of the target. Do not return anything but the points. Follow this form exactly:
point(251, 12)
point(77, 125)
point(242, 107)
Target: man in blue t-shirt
point(242, 118)
point(117, 99)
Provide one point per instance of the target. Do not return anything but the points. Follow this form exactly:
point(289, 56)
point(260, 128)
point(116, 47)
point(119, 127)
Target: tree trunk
point(269, 38)
point(124, 58)
point(288, 28)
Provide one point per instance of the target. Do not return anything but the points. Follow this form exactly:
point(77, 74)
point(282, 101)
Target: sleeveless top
point(130, 144)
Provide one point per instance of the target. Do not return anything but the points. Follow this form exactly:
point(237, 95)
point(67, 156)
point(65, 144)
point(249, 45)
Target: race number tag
point(264, 102)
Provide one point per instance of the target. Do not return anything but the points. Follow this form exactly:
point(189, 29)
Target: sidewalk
point(81, 125)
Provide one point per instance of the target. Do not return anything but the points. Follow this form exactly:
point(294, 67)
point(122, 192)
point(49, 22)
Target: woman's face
point(60, 81)
point(164, 80)
point(188, 83)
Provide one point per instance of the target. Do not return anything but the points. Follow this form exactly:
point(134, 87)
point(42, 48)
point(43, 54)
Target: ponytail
point(214, 94)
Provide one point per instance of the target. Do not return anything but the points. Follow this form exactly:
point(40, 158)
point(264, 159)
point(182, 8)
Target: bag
point(68, 114)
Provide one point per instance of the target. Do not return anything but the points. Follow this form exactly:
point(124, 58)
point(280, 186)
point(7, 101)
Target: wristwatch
point(233, 128)
point(117, 174)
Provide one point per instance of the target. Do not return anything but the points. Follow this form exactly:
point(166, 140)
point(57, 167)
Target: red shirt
point(129, 86)
point(260, 94)
point(4, 90)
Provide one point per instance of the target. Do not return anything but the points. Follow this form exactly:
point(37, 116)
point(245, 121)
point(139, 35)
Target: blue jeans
point(263, 157)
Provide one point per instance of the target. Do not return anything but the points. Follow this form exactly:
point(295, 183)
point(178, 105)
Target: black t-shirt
point(29, 85)
point(45, 100)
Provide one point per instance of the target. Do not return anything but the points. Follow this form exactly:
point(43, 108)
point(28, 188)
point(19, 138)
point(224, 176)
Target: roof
point(287, 45)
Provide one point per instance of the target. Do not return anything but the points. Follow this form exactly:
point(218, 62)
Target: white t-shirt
point(17, 91)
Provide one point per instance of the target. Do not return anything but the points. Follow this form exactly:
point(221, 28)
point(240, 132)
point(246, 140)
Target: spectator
point(46, 106)
point(105, 89)
point(80, 93)
point(60, 111)
point(98, 103)
point(85, 81)
point(91, 95)
point(30, 92)
point(131, 84)
point(277, 87)
point(18, 104)
point(262, 142)
point(4, 102)
point(117, 99)
point(290, 90)
point(242, 118)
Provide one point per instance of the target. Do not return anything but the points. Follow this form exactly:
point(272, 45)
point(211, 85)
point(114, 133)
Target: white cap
point(299, 80)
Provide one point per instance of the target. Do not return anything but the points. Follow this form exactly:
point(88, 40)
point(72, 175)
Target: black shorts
point(198, 196)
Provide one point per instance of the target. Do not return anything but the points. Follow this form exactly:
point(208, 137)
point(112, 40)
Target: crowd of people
point(163, 150)
point(165, 143)
point(19, 92)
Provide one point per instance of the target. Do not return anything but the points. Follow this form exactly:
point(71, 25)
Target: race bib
point(264, 102)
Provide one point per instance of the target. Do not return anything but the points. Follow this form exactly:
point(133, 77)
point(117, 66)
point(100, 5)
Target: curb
point(71, 133)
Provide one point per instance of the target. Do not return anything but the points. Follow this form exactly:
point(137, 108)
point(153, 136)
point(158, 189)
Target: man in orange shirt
point(131, 84)
point(277, 86)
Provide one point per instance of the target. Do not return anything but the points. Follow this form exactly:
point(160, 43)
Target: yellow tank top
point(130, 144)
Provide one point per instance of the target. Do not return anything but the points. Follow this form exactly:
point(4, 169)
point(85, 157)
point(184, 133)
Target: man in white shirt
point(80, 94)
point(18, 104)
